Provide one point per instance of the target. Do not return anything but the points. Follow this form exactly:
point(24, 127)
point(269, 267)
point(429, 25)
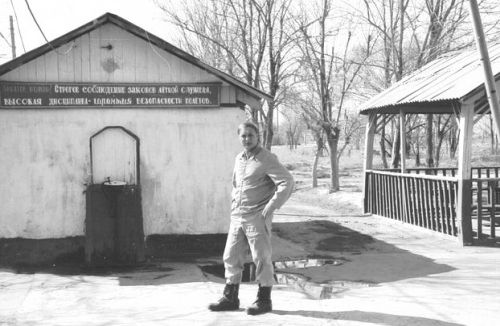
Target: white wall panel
point(187, 157)
point(89, 58)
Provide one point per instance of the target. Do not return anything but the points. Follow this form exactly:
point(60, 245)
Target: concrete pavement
point(393, 274)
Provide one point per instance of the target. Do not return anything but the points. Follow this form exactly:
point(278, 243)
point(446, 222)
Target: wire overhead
point(17, 23)
point(43, 34)
point(6, 41)
point(36, 22)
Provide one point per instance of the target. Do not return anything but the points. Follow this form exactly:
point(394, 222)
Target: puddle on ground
point(304, 263)
point(288, 272)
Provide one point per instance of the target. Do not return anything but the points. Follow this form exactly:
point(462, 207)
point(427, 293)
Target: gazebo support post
point(371, 126)
point(464, 174)
point(402, 130)
point(402, 149)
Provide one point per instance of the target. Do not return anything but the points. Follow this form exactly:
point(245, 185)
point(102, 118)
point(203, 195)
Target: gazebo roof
point(439, 86)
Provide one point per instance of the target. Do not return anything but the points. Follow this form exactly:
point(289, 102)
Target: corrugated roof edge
point(140, 32)
point(366, 108)
point(438, 106)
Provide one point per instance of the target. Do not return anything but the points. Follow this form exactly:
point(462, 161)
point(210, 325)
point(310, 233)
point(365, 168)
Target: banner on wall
point(52, 95)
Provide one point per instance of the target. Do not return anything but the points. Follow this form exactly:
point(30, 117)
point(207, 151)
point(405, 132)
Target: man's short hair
point(248, 124)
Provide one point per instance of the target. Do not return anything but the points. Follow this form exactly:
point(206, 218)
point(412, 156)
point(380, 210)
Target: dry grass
point(299, 161)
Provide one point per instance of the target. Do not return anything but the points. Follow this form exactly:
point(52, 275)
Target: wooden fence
point(427, 198)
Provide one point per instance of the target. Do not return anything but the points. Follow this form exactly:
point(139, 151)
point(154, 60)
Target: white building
point(150, 114)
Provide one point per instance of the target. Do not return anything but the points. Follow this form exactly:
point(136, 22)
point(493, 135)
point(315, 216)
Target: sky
point(58, 17)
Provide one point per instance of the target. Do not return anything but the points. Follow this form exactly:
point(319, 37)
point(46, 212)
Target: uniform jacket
point(259, 180)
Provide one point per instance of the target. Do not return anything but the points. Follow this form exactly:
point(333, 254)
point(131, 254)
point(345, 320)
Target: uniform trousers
point(249, 233)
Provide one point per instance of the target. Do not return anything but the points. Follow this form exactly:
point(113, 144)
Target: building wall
point(186, 154)
point(186, 158)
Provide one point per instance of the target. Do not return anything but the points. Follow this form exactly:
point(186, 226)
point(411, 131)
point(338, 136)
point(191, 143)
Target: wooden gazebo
point(463, 201)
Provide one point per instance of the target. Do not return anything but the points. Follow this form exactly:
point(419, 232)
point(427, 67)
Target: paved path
point(405, 276)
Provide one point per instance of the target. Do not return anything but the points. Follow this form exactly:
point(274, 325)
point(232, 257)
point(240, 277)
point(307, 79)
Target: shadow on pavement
point(363, 258)
point(368, 317)
point(72, 269)
point(349, 259)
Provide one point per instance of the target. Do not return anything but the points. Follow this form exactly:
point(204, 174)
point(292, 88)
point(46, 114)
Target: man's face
point(248, 138)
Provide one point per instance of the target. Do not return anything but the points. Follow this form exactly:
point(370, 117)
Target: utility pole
point(489, 83)
point(12, 38)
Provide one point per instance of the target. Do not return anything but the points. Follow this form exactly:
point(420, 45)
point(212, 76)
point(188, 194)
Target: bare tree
point(414, 126)
point(442, 129)
point(249, 39)
point(329, 77)
point(229, 34)
point(488, 130)
point(294, 128)
point(277, 16)
point(444, 17)
point(387, 21)
point(494, 138)
point(318, 134)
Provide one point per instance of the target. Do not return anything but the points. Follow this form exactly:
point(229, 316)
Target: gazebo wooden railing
point(427, 197)
point(488, 172)
point(445, 200)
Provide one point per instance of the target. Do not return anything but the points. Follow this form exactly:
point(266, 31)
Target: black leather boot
point(229, 300)
point(263, 303)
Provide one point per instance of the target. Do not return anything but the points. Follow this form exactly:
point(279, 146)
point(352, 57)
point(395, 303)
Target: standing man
point(260, 186)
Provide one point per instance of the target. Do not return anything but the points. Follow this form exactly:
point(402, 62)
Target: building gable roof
point(141, 33)
point(450, 79)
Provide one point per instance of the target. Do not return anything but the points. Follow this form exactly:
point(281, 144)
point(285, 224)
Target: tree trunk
point(254, 115)
point(438, 148)
point(441, 133)
point(396, 153)
point(315, 168)
point(492, 133)
point(320, 146)
point(268, 141)
point(269, 136)
point(452, 139)
point(453, 146)
point(332, 137)
point(383, 153)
